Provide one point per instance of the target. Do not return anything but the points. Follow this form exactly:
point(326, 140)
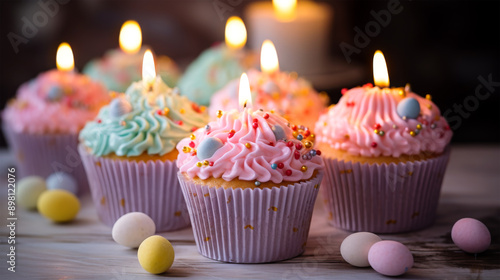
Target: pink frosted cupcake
point(42, 123)
point(291, 96)
point(385, 153)
point(250, 187)
point(129, 154)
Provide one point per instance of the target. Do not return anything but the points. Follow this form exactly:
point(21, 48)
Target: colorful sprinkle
point(207, 127)
point(206, 163)
point(312, 136)
point(191, 144)
point(211, 163)
point(428, 97)
point(231, 133)
point(433, 125)
point(266, 116)
point(257, 183)
point(374, 144)
point(159, 112)
point(289, 144)
point(281, 165)
point(182, 111)
point(307, 133)
point(179, 122)
point(381, 133)
point(99, 120)
point(318, 152)
point(186, 149)
point(412, 133)
point(376, 131)
point(312, 152)
point(308, 144)
point(419, 126)
point(303, 168)
point(274, 166)
point(219, 113)
point(300, 137)
point(255, 124)
point(293, 127)
point(192, 137)
point(343, 91)
point(288, 172)
point(297, 154)
point(377, 126)
point(298, 146)
point(248, 145)
point(199, 164)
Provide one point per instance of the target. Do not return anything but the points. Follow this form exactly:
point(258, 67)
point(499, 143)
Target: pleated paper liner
point(250, 225)
point(121, 186)
point(383, 198)
point(44, 154)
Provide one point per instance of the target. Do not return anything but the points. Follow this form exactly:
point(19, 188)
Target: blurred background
point(449, 49)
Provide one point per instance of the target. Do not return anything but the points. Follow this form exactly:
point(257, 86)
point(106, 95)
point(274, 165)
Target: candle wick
point(245, 104)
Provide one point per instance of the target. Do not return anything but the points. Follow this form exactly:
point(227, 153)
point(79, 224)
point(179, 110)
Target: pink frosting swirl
point(292, 97)
point(365, 122)
point(248, 151)
point(55, 102)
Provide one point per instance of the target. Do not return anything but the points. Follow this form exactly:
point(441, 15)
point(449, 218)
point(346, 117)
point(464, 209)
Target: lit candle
point(130, 37)
point(235, 33)
point(244, 94)
point(299, 29)
point(64, 58)
point(148, 70)
point(269, 58)
point(380, 73)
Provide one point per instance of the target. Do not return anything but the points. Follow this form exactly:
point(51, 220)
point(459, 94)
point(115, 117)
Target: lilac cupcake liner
point(383, 198)
point(44, 154)
point(121, 186)
point(250, 225)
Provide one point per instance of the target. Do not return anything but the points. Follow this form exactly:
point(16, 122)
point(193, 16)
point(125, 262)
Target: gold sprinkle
point(429, 106)
point(203, 108)
point(412, 133)
point(199, 164)
point(219, 113)
point(272, 208)
point(248, 226)
point(295, 134)
point(308, 144)
point(376, 131)
point(419, 126)
point(206, 195)
point(303, 168)
point(98, 163)
point(182, 111)
point(295, 229)
point(207, 238)
point(205, 162)
point(410, 173)
point(192, 137)
point(272, 111)
point(112, 94)
point(103, 200)
point(316, 186)
point(312, 136)
point(166, 111)
point(428, 97)
point(346, 171)
point(177, 214)
point(325, 124)
point(346, 136)
point(390, 222)
point(122, 202)
point(186, 149)
point(248, 145)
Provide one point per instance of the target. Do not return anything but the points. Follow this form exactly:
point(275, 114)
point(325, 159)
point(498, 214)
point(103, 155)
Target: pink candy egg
point(390, 258)
point(471, 235)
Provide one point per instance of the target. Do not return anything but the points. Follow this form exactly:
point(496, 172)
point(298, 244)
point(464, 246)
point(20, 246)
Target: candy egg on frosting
point(354, 249)
point(55, 93)
point(63, 181)
point(279, 133)
point(471, 235)
point(408, 108)
point(208, 147)
point(390, 258)
point(270, 87)
point(119, 107)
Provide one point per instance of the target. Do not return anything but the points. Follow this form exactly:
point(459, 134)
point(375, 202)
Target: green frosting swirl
point(146, 128)
point(211, 71)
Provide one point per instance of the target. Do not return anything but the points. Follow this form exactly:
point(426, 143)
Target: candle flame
point(380, 73)
point(244, 94)
point(269, 58)
point(285, 9)
point(148, 69)
point(64, 58)
point(236, 33)
point(130, 37)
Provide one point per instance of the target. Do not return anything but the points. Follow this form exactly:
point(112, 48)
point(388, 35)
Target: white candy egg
point(28, 191)
point(62, 181)
point(133, 228)
point(354, 249)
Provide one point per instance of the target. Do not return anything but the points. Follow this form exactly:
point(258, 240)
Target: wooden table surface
point(84, 248)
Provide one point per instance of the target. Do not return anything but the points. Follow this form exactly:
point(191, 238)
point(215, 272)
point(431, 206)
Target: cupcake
point(385, 152)
point(250, 186)
point(129, 154)
point(292, 97)
point(117, 69)
point(42, 122)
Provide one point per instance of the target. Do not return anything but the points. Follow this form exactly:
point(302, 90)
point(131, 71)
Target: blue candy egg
point(279, 133)
point(208, 147)
point(63, 181)
point(55, 93)
point(409, 108)
point(119, 107)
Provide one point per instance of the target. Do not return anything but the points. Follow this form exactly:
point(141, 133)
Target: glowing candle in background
point(244, 94)
point(285, 9)
point(130, 37)
point(64, 58)
point(148, 69)
point(269, 58)
point(235, 33)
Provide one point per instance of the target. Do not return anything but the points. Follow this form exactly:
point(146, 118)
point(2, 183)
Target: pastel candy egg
point(133, 228)
point(390, 258)
point(471, 235)
point(28, 191)
point(270, 87)
point(279, 133)
point(409, 108)
point(58, 205)
point(354, 249)
point(119, 107)
point(63, 181)
point(208, 147)
point(55, 93)
point(156, 254)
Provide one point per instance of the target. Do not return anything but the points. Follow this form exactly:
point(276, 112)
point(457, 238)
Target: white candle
point(300, 35)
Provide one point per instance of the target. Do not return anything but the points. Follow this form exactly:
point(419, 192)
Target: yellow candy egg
point(58, 205)
point(156, 254)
